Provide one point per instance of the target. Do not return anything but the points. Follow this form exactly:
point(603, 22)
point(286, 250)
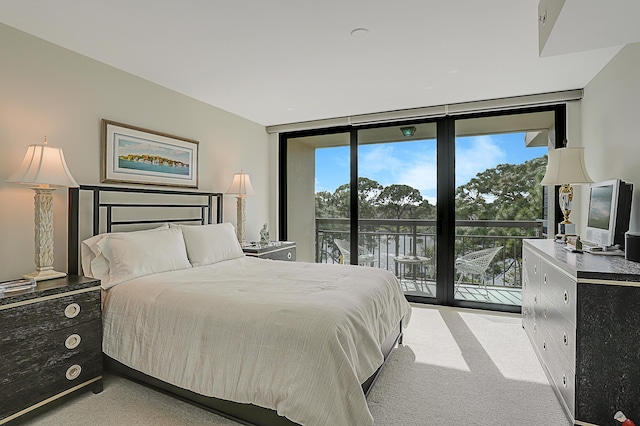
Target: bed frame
point(247, 414)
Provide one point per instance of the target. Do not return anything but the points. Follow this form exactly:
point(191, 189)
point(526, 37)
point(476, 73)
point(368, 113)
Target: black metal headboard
point(98, 206)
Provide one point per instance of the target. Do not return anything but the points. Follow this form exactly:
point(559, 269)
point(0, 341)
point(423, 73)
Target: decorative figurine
point(264, 234)
point(619, 416)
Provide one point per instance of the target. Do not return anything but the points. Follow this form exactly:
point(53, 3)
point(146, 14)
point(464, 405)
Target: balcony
point(389, 241)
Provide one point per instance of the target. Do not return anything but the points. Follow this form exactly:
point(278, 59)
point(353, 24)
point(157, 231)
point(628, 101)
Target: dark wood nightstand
point(50, 344)
point(275, 250)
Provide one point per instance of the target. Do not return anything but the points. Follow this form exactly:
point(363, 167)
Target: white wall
point(48, 90)
point(611, 126)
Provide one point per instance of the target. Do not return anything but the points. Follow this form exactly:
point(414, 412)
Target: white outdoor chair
point(476, 263)
point(364, 256)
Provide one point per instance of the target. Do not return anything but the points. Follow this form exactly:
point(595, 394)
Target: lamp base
point(564, 230)
point(44, 275)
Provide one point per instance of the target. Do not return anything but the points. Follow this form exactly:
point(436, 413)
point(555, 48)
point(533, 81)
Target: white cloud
point(420, 173)
point(380, 161)
point(389, 164)
point(474, 155)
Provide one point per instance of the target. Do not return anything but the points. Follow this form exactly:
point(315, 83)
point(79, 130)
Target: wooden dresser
point(50, 344)
point(581, 312)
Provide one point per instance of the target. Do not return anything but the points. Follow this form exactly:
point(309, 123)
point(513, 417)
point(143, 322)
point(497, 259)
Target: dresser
point(581, 312)
point(275, 250)
point(50, 344)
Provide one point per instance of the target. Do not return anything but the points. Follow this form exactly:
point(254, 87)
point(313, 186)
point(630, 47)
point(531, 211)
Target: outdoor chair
point(364, 256)
point(476, 263)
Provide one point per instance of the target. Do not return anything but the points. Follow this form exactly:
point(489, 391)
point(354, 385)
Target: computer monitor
point(609, 212)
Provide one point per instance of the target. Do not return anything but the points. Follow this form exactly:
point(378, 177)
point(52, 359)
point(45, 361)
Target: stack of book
point(16, 285)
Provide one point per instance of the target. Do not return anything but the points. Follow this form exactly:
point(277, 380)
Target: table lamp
point(44, 169)
point(241, 188)
point(566, 167)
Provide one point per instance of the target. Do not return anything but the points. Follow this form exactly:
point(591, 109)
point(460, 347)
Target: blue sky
point(414, 163)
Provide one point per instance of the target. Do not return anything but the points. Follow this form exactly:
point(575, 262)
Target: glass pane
point(397, 203)
point(318, 196)
point(499, 201)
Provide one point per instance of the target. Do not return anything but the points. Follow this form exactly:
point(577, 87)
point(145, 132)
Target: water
point(150, 167)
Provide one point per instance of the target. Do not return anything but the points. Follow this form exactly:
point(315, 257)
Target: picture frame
point(133, 154)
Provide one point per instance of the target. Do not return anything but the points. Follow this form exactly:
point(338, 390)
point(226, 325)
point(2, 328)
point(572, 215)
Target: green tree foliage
point(337, 204)
point(398, 201)
point(506, 192)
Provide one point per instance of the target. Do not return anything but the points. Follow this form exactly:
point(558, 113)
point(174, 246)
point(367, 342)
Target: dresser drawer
point(49, 382)
point(559, 330)
point(24, 357)
point(530, 271)
point(562, 375)
point(560, 289)
point(44, 316)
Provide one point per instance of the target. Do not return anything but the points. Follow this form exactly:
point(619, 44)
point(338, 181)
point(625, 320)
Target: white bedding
point(295, 337)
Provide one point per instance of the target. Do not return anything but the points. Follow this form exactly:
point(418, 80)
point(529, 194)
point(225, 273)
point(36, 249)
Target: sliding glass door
point(397, 203)
point(424, 200)
point(498, 202)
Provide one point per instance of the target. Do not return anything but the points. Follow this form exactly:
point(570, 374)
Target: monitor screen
point(600, 201)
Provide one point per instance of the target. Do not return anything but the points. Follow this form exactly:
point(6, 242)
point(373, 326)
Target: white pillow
point(132, 255)
point(207, 244)
point(94, 265)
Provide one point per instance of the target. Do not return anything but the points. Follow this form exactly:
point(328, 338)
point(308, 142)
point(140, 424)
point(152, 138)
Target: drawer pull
point(544, 345)
point(566, 297)
point(289, 255)
point(535, 269)
point(564, 380)
point(565, 339)
point(535, 299)
point(73, 372)
point(72, 310)
point(545, 278)
point(73, 341)
point(535, 327)
point(545, 313)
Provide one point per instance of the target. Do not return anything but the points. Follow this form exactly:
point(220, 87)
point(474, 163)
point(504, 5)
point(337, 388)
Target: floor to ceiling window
point(430, 198)
point(397, 191)
point(498, 202)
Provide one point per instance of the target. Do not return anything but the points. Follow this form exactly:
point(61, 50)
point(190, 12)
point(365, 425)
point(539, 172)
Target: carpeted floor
point(455, 367)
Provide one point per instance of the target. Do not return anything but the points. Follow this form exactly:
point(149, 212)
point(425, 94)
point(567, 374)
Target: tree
point(506, 192)
point(398, 201)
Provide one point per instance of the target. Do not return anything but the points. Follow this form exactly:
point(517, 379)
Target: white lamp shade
point(566, 166)
point(43, 165)
point(241, 185)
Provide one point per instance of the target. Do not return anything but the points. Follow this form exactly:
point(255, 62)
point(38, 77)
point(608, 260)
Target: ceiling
point(286, 61)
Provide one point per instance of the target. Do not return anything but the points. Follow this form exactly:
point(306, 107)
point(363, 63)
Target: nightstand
point(50, 344)
point(275, 250)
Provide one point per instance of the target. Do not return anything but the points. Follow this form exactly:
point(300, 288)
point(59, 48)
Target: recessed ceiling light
point(453, 71)
point(359, 32)
point(428, 87)
point(290, 109)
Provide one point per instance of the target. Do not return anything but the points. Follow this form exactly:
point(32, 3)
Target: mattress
point(298, 338)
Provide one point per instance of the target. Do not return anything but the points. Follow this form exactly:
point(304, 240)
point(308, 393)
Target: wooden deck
point(470, 292)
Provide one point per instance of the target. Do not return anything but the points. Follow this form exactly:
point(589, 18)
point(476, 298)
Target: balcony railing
point(389, 238)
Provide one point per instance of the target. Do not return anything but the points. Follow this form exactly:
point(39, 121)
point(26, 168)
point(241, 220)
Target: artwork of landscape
point(149, 157)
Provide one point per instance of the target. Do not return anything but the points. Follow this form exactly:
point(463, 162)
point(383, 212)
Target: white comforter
point(298, 338)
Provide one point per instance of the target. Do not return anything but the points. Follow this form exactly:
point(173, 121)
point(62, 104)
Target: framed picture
point(136, 155)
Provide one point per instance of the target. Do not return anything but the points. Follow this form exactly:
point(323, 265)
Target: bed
point(260, 341)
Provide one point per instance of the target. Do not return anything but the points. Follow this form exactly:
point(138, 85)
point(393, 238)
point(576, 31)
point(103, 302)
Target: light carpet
point(455, 366)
